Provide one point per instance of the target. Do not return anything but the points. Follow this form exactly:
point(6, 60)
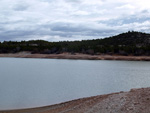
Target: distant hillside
point(129, 38)
point(129, 43)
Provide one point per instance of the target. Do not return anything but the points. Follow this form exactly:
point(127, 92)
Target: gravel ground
point(134, 101)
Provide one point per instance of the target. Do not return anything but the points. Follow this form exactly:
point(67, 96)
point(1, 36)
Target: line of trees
point(129, 43)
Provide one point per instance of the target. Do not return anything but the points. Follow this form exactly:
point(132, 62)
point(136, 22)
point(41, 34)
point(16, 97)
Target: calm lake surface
point(38, 82)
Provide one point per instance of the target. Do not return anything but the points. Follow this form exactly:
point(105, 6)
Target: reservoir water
point(29, 82)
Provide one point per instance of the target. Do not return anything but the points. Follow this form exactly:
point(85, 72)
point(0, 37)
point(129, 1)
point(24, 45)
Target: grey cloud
point(15, 34)
point(145, 11)
point(125, 20)
point(63, 30)
point(73, 1)
point(21, 6)
point(67, 27)
point(47, 0)
point(4, 23)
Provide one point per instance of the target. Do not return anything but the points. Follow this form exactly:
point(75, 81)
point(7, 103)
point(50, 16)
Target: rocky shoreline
point(77, 56)
point(134, 101)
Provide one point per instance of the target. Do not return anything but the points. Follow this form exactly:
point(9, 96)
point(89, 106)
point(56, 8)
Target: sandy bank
point(134, 101)
point(77, 56)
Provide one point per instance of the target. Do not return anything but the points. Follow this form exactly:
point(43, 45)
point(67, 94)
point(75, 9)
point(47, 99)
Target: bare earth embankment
point(77, 56)
point(134, 101)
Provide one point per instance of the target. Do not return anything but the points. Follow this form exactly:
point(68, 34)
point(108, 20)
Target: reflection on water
point(38, 82)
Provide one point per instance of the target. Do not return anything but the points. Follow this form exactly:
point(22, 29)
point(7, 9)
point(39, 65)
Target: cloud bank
point(57, 20)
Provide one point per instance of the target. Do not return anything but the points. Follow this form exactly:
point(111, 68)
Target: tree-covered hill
point(129, 43)
point(129, 38)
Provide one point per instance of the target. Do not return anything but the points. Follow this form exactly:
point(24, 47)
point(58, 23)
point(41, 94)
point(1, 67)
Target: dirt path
point(134, 101)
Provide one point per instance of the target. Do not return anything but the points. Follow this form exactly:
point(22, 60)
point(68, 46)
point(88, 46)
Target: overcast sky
point(57, 20)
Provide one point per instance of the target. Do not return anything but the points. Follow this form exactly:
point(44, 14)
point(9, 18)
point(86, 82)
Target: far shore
point(76, 56)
